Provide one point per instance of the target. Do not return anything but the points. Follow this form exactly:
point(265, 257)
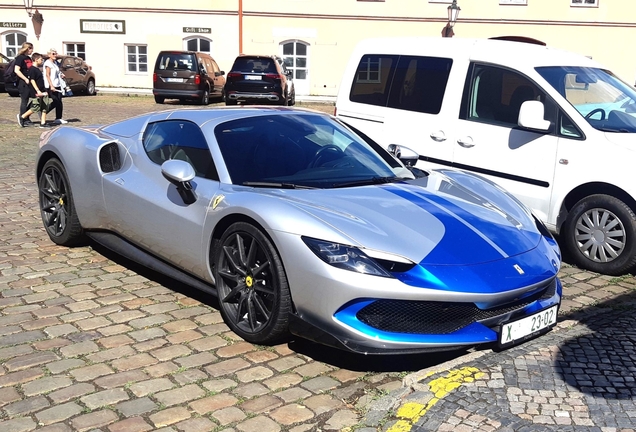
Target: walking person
point(53, 81)
point(22, 64)
point(40, 102)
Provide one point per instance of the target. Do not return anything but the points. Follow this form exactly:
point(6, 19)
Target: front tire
point(600, 235)
point(57, 207)
point(254, 296)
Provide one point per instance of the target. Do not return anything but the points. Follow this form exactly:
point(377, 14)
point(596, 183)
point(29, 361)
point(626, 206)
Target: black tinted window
point(256, 65)
point(372, 82)
point(182, 140)
point(419, 84)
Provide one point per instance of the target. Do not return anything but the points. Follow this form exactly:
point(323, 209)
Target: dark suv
point(259, 79)
point(187, 75)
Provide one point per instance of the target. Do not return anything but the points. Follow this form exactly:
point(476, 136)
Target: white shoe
point(60, 121)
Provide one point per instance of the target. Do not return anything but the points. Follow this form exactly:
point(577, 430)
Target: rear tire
point(57, 207)
point(159, 99)
point(600, 235)
point(230, 102)
point(205, 99)
point(254, 297)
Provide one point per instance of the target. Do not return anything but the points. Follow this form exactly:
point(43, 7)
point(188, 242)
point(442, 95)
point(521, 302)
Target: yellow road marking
point(409, 413)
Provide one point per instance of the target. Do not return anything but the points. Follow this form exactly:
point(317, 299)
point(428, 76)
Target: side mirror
point(180, 174)
point(404, 154)
point(221, 73)
point(531, 116)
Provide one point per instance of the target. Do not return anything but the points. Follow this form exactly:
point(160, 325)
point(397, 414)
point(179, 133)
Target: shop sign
point(103, 26)
point(205, 30)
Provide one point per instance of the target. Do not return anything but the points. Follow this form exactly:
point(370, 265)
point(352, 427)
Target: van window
point(372, 82)
point(496, 95)
point(175, 61)
point(419, 84)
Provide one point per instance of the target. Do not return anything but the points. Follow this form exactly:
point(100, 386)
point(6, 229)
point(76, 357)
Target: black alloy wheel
point(253, 292)
point(57, 207)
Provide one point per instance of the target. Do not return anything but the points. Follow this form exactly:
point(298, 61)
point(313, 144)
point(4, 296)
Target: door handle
point(438, 136)
point(466, 142)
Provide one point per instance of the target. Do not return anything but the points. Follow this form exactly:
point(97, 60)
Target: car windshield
point(606, 102)
point(302, 150)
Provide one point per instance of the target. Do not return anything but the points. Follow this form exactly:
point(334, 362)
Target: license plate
point(174, 79)
point(515, 330)
point(253, 77)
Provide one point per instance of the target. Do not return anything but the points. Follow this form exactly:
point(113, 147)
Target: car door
point(414, 116)
point(218, 80)
point(147, 210)
point(71, 76)
point(487, 139)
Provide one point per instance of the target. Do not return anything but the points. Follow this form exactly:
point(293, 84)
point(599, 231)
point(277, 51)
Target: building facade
point(121, 41)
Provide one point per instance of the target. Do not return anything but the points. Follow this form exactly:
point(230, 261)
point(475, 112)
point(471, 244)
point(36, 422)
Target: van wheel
point(159, 99)
point(205, 99)
point(600, 234)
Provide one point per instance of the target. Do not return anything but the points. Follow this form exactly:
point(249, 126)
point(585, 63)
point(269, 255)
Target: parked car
point(79, 76)
point(296, 223)
point(554, 128)
point(4, 61)
point(259, 79)
point(187, 75)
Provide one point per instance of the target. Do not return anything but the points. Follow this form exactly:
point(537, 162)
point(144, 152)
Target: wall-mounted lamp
point(453, 14)
point(28, 6)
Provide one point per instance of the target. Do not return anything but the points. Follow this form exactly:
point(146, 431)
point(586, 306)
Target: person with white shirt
point(54, 82)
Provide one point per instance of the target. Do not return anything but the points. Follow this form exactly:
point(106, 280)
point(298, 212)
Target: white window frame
point(198, 38)
point(6, 46)
point(137, 62)
point(75, 52)
point(584, 4)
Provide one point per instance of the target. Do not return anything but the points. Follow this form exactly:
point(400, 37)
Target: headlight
point(345, 257)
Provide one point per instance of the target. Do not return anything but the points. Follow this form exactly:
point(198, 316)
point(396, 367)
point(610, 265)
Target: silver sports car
point(299, 224)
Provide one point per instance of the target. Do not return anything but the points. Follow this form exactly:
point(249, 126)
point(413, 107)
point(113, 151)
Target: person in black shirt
point(22, 64)
point(40, 99)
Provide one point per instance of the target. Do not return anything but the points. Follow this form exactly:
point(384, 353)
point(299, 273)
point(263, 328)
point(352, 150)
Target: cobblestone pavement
point(90, 341)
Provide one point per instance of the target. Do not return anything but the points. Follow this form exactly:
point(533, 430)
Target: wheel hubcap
point(600, 235)
point(53, 201)
point(246, 283)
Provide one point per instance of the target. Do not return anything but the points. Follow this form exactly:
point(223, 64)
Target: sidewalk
point(148, 91)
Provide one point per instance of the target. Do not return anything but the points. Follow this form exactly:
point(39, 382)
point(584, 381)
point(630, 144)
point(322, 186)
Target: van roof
point(503, 52)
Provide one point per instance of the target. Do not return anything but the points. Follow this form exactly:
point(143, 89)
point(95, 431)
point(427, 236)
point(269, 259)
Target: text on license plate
point(174, 79)
point(516, 330)
point(253, 77)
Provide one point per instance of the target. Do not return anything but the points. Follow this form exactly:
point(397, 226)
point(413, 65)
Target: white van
point(554, 128)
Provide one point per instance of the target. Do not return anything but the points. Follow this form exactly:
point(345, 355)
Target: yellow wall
point(330, 27)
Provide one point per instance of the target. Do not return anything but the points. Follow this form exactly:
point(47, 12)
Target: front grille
point(109, 159)
point(431, 317)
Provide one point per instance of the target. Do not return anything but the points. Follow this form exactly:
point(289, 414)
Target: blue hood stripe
point(446, 208)
point(464, 242)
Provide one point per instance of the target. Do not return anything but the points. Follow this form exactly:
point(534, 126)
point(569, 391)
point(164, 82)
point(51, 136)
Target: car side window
point(372, 81)
point(419, 84)
point(495, 96)
point(179, 139)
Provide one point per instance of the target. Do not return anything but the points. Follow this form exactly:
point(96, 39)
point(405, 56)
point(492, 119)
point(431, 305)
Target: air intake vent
point(109, 159)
